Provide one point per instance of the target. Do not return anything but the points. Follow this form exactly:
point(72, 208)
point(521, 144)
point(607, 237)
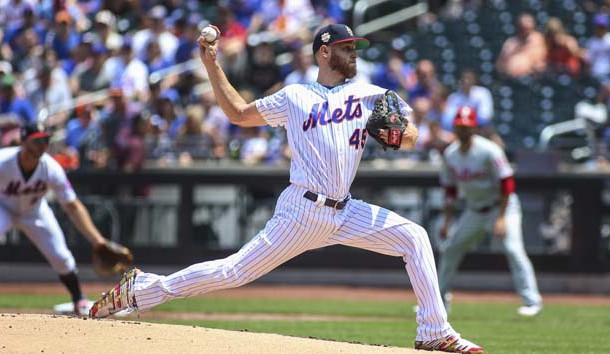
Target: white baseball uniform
point(23, 205)
point(326, 129)
point(477, 175)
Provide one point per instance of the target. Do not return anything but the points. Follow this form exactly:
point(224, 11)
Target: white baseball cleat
point(529, 311)
point(68, 308)
point(123, 313)
point(450, 344)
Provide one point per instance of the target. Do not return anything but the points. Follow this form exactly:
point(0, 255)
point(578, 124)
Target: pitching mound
point(34, 333)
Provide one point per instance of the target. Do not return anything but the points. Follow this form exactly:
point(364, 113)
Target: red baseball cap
point(465, 117)
point(33, 131)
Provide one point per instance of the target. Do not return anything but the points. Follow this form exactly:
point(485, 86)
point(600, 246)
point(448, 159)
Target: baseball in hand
point(209, 33)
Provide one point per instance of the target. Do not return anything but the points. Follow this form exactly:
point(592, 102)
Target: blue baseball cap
point(337, 33)
point(601, 20)
point(98, 49)
point(170, 94)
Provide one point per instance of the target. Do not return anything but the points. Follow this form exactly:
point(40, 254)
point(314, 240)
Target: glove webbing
point(391, 99)
point(394, 135)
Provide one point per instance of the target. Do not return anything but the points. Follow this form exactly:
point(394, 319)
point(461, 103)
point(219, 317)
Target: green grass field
point(559, 329)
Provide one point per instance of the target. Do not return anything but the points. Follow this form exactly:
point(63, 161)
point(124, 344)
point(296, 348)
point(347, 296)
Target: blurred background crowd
point(121, 85)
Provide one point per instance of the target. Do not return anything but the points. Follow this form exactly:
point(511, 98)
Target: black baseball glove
point(386, 115)
point(110, 259)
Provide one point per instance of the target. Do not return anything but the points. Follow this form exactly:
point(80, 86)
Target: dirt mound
point(35, 333)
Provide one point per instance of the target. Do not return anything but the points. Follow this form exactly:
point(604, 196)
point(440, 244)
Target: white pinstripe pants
point(45, 233)
point(298, 225)
point(469, 231)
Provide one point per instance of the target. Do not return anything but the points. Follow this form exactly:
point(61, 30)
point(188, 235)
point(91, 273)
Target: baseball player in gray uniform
point(476, 169)
point(326, 128)
point(27, 173)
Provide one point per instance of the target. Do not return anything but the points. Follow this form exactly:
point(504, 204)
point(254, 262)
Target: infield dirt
point(35, 333)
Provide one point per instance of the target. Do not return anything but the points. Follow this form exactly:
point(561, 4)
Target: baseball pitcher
point(326, 124)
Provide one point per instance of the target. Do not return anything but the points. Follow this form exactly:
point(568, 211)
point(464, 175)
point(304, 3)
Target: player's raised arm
point(239, 111)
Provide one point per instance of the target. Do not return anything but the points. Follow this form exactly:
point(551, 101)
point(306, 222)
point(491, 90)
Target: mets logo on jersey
point(14, 188)
point(351, 110)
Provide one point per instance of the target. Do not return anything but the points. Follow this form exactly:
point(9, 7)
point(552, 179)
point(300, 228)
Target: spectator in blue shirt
point(64, 38)
point(171, 111)
point(77, 127)
point(329, 10)
point(394, 74)
point(153, 59)
point(187, 40)
point(10, 103)
point(244, 10)
point(427, 80)
point(16, 28)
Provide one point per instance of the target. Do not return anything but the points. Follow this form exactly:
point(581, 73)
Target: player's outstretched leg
point(119, 298)
point(271, 247)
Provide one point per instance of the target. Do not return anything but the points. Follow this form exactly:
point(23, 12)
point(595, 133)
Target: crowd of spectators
point(103, 75)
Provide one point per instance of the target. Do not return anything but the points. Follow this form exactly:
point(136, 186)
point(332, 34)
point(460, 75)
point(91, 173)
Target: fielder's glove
point(386, 115)
point(111, 259)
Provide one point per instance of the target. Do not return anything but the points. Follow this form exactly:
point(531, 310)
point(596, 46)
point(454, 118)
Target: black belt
point(485, 209)
point(336, 204)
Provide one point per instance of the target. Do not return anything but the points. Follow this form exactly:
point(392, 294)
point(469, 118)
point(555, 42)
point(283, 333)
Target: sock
point(71, 282)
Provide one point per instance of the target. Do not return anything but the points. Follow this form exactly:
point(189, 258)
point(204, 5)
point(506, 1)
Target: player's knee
point(62, 264)
point(411, 238)
point(514, 252)
point(418, 233)
point(235, 276)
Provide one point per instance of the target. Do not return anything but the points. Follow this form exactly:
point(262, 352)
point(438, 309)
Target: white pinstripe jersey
point(326, 131)
point(22, 197)
point(477, 173)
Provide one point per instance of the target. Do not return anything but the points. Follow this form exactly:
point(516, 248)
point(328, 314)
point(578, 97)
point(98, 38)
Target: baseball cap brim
point(361, 43)
point(38, 135)
point(465, 123)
